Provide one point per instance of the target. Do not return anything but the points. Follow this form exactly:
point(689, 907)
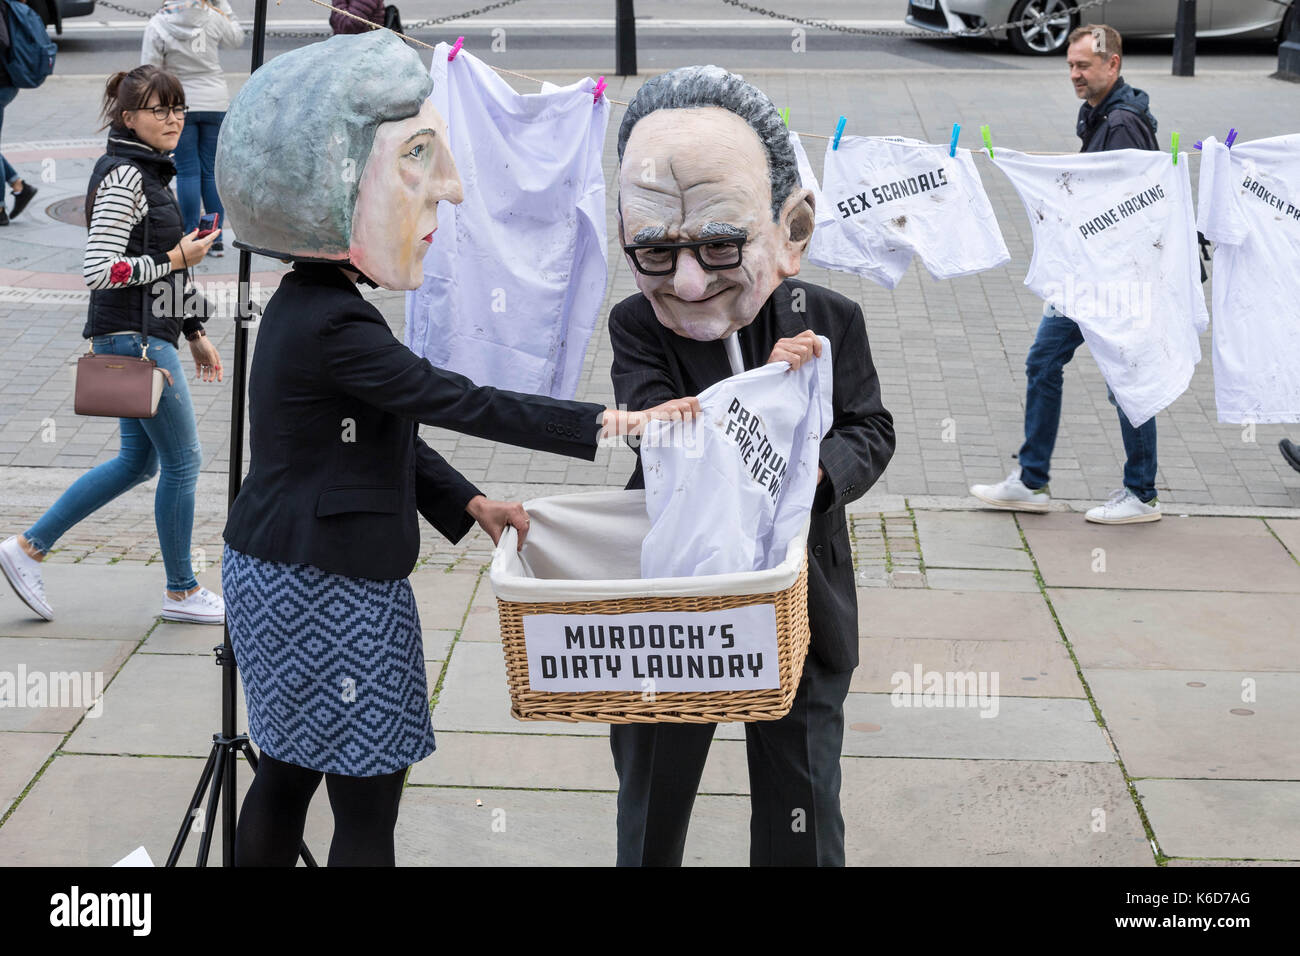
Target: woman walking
point(134, 264)
point(185, 38)
point(325, 529)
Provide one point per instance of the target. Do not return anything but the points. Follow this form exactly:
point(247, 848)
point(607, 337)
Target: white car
point(1047, 23)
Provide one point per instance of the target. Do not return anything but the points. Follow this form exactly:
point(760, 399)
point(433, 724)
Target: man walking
point(1113, 116)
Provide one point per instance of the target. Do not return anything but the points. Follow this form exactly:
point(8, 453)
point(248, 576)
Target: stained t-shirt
point(1115, 250)
point(729, 490)
point(515, 276)
point(885, 199)
point(1250, 208)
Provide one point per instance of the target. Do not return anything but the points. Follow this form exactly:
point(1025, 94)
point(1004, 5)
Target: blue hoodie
point(1123, 120)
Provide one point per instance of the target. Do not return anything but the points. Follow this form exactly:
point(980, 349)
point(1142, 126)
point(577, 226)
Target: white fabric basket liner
point(587, 547)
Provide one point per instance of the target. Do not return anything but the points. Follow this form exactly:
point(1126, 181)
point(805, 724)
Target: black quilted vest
point(121, 309)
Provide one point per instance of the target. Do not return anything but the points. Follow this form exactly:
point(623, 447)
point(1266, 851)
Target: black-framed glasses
point(660, 258)
point(161, 112)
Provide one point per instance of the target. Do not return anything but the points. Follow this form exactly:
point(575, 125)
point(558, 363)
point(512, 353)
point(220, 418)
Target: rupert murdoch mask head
point(712, 215)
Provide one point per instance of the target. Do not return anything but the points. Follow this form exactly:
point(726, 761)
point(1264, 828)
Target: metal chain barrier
point(319, 34)
point(406, 27)
point(914, 33)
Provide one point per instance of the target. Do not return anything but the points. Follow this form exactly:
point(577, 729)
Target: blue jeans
point(170, 438)
point(7, 94)
point(195, 156)
point(1058, 337)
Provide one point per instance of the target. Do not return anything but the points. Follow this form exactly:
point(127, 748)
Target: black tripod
point(218, 777)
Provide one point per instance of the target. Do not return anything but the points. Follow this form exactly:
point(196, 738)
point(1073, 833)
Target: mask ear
point(797, 218)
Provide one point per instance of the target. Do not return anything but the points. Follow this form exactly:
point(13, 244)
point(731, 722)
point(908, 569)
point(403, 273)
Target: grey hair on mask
point(295, 140)
point(696, 86)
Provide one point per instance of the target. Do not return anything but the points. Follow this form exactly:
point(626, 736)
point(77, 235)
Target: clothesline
point(533, 79)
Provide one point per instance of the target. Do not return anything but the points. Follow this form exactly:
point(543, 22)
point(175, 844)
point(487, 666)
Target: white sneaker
point(201, 607)
point(1012, 495)
point(1124, 507)
point(24, 575)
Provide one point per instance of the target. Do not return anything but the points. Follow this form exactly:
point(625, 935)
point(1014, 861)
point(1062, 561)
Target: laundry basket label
point(733, 649)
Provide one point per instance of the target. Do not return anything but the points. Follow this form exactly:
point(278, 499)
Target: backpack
point(30, 58)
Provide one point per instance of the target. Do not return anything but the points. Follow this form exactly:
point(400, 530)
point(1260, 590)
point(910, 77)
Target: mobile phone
point(208, 224)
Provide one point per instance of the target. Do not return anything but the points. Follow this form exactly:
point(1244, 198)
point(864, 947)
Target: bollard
point(624, 38)
point(1185, 39)
point(1288, 52)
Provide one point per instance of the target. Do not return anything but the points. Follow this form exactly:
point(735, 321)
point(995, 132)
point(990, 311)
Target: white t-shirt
point(514, 278)
point(885, 199)
point(1115, 250)
point(1250, 207)
point(728, 491)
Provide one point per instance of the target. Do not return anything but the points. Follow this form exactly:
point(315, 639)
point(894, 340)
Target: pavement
point(1147, 674)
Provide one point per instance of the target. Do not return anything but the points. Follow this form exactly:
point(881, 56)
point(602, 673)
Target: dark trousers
point(794, 781)
point(1054, 346)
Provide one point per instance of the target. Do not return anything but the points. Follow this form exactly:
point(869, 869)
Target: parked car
point(53, 11)
point(1264, 19)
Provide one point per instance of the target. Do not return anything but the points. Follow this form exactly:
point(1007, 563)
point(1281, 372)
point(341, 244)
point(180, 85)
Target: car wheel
point(1044, 26)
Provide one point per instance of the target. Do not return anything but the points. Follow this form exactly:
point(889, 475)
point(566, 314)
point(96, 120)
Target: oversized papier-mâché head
point(334, 152)
point(705, 155)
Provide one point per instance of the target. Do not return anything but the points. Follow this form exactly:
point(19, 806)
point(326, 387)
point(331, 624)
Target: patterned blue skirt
point(333, 666)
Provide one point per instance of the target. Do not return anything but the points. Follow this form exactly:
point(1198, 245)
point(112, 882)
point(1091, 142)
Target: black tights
point(275, 811)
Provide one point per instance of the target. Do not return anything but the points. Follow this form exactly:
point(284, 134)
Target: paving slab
point(437, 644)
point(159, 704)
point(475, 697)
point(1025, 668)
point(1181, 723)
point(975, 539)
point(994, 813)
point(482, 624)
point(93, 602)
point(978, 579)
point(24, 754)
point(954, 615)
point(1188, 630)
point(1239, 819)
point(1288, 530)
point(1024, 728)
point(442, 597)
point(1181, 554)
point(94, 810)
point(66, 671)
point(439, 826)
point(537, 762)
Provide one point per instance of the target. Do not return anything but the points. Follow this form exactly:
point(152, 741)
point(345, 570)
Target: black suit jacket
point(653, 364)
point(337, 470)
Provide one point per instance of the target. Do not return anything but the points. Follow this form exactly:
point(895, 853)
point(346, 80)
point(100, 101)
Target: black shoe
point(22, 199)
point(1291, 452)
point(4, 216)
point(217, 249)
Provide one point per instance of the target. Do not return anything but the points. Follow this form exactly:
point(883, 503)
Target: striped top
point(119, 205)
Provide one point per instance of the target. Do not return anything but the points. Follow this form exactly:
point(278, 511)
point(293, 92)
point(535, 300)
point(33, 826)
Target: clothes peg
point(1232, 137)
point(598, 91)
point(1174, 147)
point(785, 117)
point(988, 139)
point(839, 131)
point(460, 41)
point(956, 131)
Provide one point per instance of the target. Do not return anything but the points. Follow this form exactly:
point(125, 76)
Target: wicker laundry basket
point(551, 589)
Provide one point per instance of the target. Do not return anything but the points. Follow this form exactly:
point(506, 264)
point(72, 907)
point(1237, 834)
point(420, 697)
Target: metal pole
point(1185, 39)
point(624, 38)
point(239, 386)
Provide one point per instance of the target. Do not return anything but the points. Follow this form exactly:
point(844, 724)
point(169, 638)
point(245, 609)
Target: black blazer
point(653, 364)
point(337, 471)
